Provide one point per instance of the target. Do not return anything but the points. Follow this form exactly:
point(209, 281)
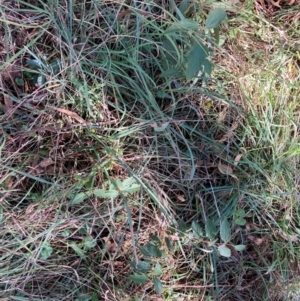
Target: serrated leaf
point(128, 182)
point(133, 188)
point(183, 25)
point(89, 242)
point(215, 18)
point(225, 232)
point(239, 247)
point(157, 285)
point(197, 230)
point(79, 198)
point(141, 266)
point(195, 59)
point(157, 270)
point(210, 229)
point(46, 250)
point(224, 251)
point(140, 279)
point(101, 193)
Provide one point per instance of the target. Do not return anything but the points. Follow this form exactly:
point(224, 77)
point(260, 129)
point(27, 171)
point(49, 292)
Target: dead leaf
point(181, 198)
point(8, 105)
point(46, 163)
point(225, 169)
point(69, 113)
point(237, 159)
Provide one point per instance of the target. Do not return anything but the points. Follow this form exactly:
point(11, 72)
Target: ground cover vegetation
point(149, 150)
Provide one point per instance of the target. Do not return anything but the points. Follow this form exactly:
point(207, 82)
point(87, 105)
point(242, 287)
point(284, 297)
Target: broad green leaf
point(141, 266)
point(207, 64)
point(35, 64)
point(154, 251)
point(101, 193)
point(89, 242)
point(157, 270)
point(197, 231)
point(224, 251)
point(240, 213)
point(19, 81)
point(217, 35)
point(239, 247)
point(215, 18)
point(225, 232)
point(155, 239)
point(128, 182)
point(41, 80)
point(95, 297)
point(195, 59)
point(183, 25)
point(46, 250)
point(187, 7)
point(169, 244)
point(210, 229)
point(171, 72)
point(151, 250)
point(133, 188)
point(55, 66)
point(140, 279)
point(80, 197)
point(157, 285)
point(240, 221)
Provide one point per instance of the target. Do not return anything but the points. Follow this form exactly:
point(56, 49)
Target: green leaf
point(197, 231)
point(141, 266)
point(95, 297)
point(150, 250)
point(77, 250)
point(217, 35)
point(207, 64)
point(80, 197)
point(210, 229)
point(101, 193)
point(239, 247)
point(215, 18)
point(240, 213)
point(157, 270)
point(224, 251)
point(171, 72)
point(240, 221)
point(225, 232)
point(169, 244)
point(19, 81)
point(89, 242)
point(195, 59)
point(46, 250)
point(55, 66)
point(140, 279)
point(35, 64)
point(157, 285)
point(183, 25)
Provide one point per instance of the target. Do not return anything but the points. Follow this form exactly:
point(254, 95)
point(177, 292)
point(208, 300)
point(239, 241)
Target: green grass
point(118, 183)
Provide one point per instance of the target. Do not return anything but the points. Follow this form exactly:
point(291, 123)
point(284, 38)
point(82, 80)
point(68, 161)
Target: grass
point(123, 178)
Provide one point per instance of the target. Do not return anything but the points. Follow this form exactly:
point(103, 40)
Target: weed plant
point(131, 169)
